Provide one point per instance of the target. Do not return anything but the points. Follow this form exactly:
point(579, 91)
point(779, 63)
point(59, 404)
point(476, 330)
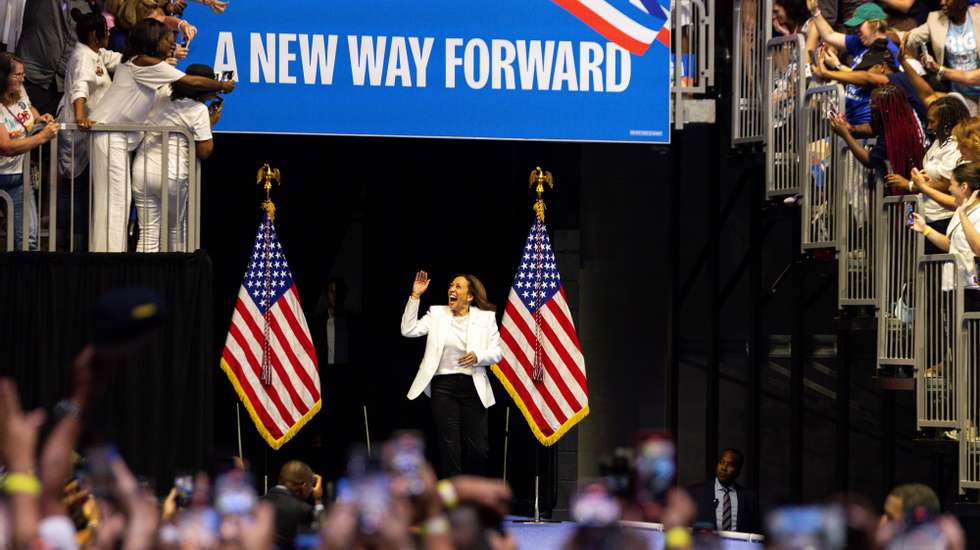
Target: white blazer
point(483, 340)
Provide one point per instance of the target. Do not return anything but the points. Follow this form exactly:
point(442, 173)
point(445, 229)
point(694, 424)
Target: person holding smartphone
point(462, 341)
point(899, 146)
point(961, 239)
point(187, 108)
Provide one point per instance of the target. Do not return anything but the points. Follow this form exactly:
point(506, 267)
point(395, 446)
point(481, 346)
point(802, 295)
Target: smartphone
point(655, 467)
point(404, 456)
point(909, 210)
point(800, 527)
point(234, 494)
point(215, 104)
point(924, 50)
point(184, 484)
point(888, 167)
point(99, 476)
point(227, 76)
point(367, 487)
point(595, 506)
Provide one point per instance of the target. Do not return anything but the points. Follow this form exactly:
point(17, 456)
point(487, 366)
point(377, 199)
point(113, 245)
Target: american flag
point(632, 24)
point(542, 368)
point(269, 356)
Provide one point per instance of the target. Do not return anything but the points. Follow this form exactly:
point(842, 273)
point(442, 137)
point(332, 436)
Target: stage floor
point(551, 536)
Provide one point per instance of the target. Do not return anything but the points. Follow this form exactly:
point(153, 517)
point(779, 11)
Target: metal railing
point(856, 225)
point(104, 175)
point(753, 31)
point(785, 86)
point(692, 46)
point(968, 395)
point(821, 168)
point(937, 300)
point(898, 251)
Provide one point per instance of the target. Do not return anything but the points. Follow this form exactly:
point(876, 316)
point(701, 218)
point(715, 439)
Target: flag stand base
point(537, 520)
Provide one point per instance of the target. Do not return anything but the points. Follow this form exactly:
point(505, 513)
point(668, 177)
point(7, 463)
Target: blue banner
point(584, 70)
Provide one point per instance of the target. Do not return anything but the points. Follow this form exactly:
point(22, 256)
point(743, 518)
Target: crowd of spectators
point(83, 63)
point(910, 72)
point(55, 495)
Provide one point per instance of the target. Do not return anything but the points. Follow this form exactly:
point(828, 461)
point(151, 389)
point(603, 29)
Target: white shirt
point(18, 120)
point(960, 249)
point(133, 90)
point(455, 347)
point(720, 508)
point(939, 162)
point(86, 76)
point(183, 113)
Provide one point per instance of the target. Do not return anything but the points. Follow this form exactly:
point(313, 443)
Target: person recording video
point(197, 111)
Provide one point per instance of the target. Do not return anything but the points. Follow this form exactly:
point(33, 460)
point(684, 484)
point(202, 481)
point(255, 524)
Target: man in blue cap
point(869, 19)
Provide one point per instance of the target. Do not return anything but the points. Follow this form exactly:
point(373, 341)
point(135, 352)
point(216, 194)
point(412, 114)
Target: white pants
point(148, 197)
point(110, 192)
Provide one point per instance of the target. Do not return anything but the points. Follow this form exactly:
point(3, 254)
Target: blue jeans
point(13, 184)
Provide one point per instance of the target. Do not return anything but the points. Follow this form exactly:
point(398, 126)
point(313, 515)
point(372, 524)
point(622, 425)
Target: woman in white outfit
point(462, 342)
point(184, 108)
point(128, 101)
point(87, 79)
point(962, 237)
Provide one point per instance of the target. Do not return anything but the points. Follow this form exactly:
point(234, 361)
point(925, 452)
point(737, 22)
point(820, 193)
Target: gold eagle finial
point(266, 176)
point(537, 180)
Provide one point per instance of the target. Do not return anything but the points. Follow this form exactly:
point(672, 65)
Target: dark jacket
point(703, 495)
point(292, 516)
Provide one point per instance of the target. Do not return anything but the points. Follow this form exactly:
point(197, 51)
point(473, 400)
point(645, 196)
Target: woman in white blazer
point(462, 342)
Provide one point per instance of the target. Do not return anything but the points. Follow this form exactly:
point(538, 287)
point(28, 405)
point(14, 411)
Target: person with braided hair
point(899, 146)
point(941, 158)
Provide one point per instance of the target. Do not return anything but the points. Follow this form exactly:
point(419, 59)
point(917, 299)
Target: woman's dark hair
point(949, 112)
point(7, 61)
point(478, 291)
point(87, 23)
point(968, 174)
point(144, 39)
point(179, 91)
point(796, 10)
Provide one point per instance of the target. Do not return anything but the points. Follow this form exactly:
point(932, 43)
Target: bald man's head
point(296, 476)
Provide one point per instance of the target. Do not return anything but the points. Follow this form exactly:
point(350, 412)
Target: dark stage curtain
point(155, 403)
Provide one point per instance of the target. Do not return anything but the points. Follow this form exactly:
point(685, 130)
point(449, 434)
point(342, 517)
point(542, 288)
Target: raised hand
point(968, 204)
point(421, 284)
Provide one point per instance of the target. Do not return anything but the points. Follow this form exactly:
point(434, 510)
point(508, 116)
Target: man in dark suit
point(722, 503)
point(291, 500)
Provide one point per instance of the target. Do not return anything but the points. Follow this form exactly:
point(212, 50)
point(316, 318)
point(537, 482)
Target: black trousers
point(461, 425)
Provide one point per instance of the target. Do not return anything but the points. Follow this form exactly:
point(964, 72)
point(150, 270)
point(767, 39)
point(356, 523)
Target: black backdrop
point(157, 405)
point(445, 206)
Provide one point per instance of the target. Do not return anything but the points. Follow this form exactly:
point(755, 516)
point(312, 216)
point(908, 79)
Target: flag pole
point(238, 423)
point(538, 179)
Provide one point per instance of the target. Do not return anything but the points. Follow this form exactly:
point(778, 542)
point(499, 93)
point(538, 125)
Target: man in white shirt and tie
point(722, 503)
